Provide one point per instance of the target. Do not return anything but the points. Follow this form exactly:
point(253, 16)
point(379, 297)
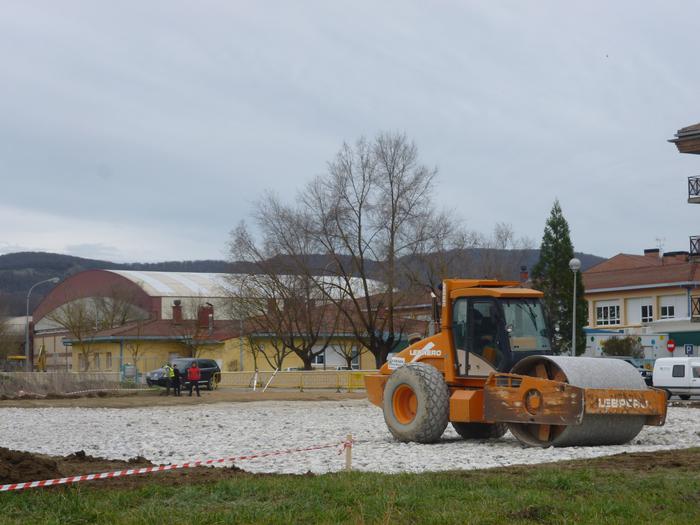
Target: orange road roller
point(490, 369)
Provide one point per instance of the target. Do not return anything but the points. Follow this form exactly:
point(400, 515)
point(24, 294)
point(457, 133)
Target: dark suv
point(211, 373)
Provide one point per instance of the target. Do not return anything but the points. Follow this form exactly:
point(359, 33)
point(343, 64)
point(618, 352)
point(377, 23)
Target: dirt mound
point(16, 467)
point(81, 456)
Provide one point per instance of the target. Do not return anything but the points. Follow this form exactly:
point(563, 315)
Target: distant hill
point(19, 271)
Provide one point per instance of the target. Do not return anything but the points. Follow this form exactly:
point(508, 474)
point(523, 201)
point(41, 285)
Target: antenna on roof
point(660, 242)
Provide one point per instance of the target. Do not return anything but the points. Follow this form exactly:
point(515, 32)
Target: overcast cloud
point(144, 131)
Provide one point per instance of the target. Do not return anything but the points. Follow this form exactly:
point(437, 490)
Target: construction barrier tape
point(108, 390)
point(23, 393)
point(161, 468)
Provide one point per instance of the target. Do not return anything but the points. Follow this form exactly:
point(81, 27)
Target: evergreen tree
point(553, 276)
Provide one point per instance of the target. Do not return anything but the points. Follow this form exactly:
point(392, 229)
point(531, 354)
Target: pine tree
point(553, 276)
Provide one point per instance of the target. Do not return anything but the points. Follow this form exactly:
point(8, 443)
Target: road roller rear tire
point(416, 403)
point(584, 372)
point(480, 430)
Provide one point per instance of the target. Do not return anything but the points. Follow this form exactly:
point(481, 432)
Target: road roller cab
point(490, 369)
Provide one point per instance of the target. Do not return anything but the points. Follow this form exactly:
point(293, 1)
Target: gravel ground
point(175, 434)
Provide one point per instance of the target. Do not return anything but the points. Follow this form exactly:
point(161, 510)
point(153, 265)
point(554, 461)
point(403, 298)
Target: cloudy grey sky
point(144, 131)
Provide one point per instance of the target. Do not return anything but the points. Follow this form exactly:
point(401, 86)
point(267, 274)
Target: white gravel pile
point(177, 434)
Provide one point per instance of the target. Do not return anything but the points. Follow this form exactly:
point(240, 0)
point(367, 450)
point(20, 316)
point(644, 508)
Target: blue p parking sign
point(688, 349)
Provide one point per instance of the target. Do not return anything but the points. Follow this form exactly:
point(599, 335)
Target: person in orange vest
point(194, 374)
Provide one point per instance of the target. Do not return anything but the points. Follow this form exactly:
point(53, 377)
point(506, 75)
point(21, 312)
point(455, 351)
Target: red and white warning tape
point(160, 468)
point(24, 393)
point(108, 390)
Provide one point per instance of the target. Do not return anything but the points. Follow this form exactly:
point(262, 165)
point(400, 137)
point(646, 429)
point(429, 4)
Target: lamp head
point(54, 280)
point(574, 265)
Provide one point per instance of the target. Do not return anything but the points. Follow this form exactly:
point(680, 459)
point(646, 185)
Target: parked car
point(211, 373)
point(678, 376)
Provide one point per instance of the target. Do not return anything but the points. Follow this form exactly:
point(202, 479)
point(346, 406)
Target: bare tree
point(372, 209)
point(116, 308)
point(256, 350)
point(441, 253)
point(281, 298)
point(274, 352)
point(349, 349)
point(502, 253)
point(367, 218)
point(197, 326)
point(135, 346)
point(83, 318)
point(79, 320)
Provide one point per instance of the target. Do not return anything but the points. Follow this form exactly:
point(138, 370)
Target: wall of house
point(232, 351)
point(631, 303)
point(58, 357)
point(654, 345)
point(110, 356)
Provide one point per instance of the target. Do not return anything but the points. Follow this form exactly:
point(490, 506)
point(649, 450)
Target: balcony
point(694, 246)
point(694, 190)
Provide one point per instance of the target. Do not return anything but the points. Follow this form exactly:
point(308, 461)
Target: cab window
point(459, 324)
point(476, 326)
point(485, 321)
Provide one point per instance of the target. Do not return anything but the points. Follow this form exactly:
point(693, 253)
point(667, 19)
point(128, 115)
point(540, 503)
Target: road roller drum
point(586, 373)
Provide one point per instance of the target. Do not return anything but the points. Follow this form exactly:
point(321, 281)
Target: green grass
point(546, 494)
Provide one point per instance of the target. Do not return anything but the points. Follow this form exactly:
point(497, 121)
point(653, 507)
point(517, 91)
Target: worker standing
point(168, 376)
point(176, 380)
point(194, 374)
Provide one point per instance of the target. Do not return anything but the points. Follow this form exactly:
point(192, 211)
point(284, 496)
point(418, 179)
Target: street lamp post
point(574, 266)
point(28, 365)
point(240, 344)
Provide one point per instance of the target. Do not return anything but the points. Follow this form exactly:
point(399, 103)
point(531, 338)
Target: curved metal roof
point(178, 284)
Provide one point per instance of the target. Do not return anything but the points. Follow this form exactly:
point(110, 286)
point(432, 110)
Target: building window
point(668, 312)
point(355, 363)
point(82, 363)
point(108, 359)
point(607, 315)
point(647, 313)
point(96, 361)
point(319, 359)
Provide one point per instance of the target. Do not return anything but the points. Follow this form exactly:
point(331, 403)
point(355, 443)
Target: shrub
point(628, 346)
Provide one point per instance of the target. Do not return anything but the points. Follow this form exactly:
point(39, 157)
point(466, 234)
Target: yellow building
point(150, 344)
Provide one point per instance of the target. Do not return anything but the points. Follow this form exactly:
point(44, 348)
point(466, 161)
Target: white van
point(679, 376)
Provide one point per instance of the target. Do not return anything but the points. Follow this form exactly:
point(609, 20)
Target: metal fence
point(56, 382)
point(62, 382)
point(47, 378)
point(349, 380)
